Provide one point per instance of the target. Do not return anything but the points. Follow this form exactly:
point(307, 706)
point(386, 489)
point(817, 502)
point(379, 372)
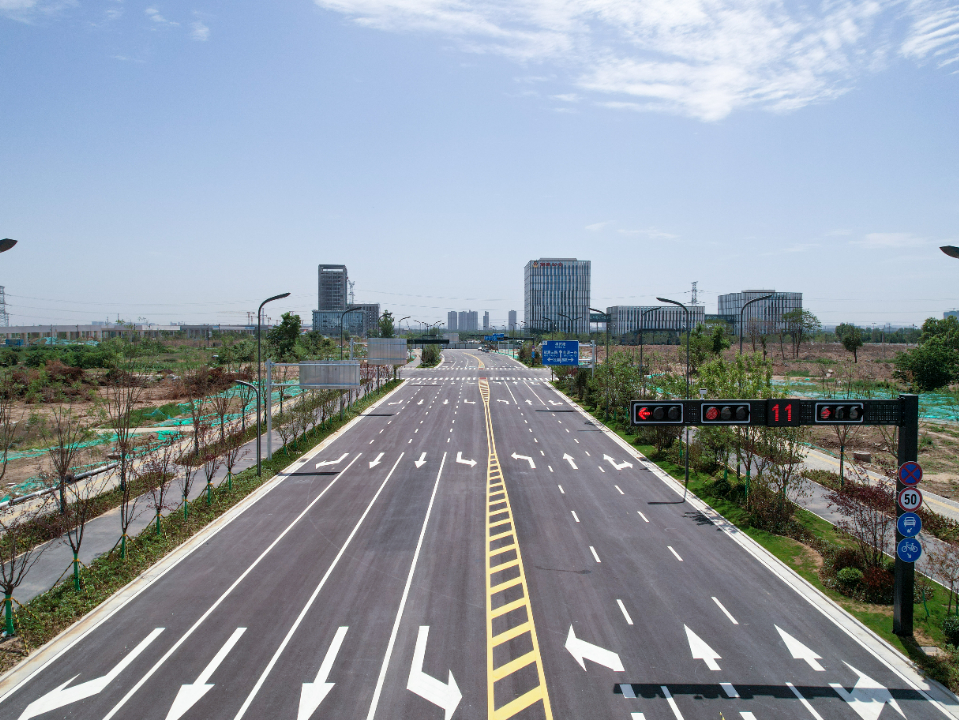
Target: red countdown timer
point(782, 412)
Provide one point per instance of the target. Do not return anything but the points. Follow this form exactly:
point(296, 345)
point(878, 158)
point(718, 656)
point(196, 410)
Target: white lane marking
point(370, 442)
point(561, 489)
point(601, 469)
point(746, 715)
point(701, 651)
point(672, 703)
point(421, 462)
point(622, 607)
point(729, 690)
point(374, 463)
point(314, 596)
point(215, 605)
point(459, 459)
point(542, 453)
point(550, 468)
point(627, 690)
point(804, 701)
point(576, 441)
point(868, 697)
point(618, 488)
point(532, 465)
point(800, 651)
point(728, 614)
point(406, 592)
point(569, 458)
point(582, 650)
point(593, 550)
point(333, 462)
point(575, 516)
point(674, 553)
point(445, 695)
point(646, 519)
point(587, 453)
point(59, 697)
point(189, 695)
point(637, 715)
point(312, 694)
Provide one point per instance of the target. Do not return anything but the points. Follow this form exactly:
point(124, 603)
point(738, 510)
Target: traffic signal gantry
point(787, 412)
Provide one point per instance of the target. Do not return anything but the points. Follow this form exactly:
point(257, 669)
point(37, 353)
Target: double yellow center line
point(509, 615)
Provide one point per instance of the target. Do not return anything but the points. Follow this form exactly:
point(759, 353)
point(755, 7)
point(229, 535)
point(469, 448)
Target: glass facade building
point(625, 319)
point(333, 288)
point(764, 317)
point(556, 295)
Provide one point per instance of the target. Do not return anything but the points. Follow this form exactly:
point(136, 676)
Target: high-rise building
point(333, 288)
point(556, 294)
point(765, 316)
point(451, 325)
point(511, 323)
point(462, 321)
point(486, 320)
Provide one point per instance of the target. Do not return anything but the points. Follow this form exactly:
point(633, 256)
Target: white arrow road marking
point(868, 697)
point(446, 402)
point(446, 695)
point(800, 651)
point(374, 463)
point(569, 459)
point(421, 462)
point(529, 402)
point(420, 402)
point(505, 401)
point(525, 457)
point(58, 697)
point(582, 650)
point(469, 402)
point(398, 402)
point(555, 402)
point(459, 459)
point(189, 695)
point(702, 651)
point(315, 692)
point(613, 463)
point(333, 462)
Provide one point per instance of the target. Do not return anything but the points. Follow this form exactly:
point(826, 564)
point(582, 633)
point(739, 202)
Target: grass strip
point(50, 613)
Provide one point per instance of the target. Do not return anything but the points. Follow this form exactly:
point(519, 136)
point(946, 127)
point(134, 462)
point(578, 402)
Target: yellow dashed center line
point(506, 561)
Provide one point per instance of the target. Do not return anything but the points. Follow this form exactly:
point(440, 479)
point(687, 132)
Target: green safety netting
point(932, 406)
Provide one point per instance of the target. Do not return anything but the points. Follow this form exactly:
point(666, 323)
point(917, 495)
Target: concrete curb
point(939, 695)
point(55, 647)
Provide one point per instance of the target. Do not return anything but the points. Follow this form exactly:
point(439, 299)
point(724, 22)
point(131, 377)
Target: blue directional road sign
point(909, 524)
point(561, 352)
point(909, 550)
point(910, 473)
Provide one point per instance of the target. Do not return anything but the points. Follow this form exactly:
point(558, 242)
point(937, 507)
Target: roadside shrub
point(848, 579)
point(769, 511)
point(950, 628)
point(8, 358)
point(878, 585)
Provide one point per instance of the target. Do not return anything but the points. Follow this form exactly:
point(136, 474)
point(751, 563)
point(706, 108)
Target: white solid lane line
point(593, 550)
point(672, 703)
point(805, 702)
point(618, 488)
point(674, 553)
point(625, 614)
point(733, 620)
point(575, 516)
point(643, 516)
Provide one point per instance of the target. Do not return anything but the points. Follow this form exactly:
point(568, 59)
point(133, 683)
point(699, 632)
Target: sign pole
point(902, 612)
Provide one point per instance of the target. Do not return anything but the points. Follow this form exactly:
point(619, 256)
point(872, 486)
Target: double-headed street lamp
point(642, 330)
point(741, 311)
point(259, 372)
point(342, 315)
point(257, 391)
point(950, 250)
point(571, 320)
point(686, 310)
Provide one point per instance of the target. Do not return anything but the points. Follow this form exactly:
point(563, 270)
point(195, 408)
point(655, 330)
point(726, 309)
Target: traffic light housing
point(725, 412)
point(657, 412)
point(839, 413)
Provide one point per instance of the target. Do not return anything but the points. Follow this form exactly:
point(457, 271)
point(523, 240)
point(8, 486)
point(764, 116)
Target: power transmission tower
point(694, 300)
point(352, 283)
point(4, 317)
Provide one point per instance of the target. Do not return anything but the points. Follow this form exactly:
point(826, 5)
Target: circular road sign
point(909, 524)
point(910, 499)
point(909, 550)
point(910, 473)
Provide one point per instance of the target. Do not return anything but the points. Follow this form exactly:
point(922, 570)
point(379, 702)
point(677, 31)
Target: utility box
point(386, 351)
point(330, 375)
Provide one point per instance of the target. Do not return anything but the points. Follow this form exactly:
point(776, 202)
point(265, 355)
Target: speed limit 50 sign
point(910, 499)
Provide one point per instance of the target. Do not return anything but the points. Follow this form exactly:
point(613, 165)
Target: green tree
point(930, 366)
point(800, 324)
point(282, 339)
point(851, 338)
point(386, 325)
point(705, 341)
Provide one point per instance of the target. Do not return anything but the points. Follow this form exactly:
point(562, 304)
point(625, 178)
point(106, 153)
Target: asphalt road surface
point(473, 547)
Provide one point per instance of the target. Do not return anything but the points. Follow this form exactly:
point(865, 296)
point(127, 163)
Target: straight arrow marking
point(58, 697)
point(868, 697)
point(446, 695)
point(569, 458)
point(374, 463)
point(421, 462)
point(315, 692)
point(702, 651)
point(459, 459)
point(524, 457)
point(189, 695)
point(333, 462)
point(800, 651)
point(582, 651)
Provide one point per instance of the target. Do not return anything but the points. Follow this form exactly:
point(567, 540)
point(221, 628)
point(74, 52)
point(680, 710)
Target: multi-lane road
point(472, 547)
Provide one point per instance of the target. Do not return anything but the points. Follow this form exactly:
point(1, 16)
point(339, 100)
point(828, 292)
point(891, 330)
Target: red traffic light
point(657, 413)
point(712, 413)
point(840, 413)
point(643, 413)
point(725, 414)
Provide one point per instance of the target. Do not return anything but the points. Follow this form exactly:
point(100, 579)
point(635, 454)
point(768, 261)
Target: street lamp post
point(686, 310)
point(642, 330)
point(950, 250)
point(257, 391)
point(259, 372)
point(6, 244)
point(741, 311)
point(342, 314)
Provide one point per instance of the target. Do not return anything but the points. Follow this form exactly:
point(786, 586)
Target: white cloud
point(156, 17)
point(702, 58)
point(568, 97)
point(890, 240)
point(199, 31)
point(596, 227)
point(651, 233)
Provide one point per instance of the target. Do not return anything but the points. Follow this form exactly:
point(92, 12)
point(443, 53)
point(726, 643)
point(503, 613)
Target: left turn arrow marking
point(582, 650)
point(189, 695)
point(58, 697)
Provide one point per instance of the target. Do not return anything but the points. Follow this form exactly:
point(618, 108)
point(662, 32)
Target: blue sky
point(182, 161)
